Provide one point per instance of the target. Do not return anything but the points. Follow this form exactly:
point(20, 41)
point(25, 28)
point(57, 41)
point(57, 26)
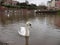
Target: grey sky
point(35, 1)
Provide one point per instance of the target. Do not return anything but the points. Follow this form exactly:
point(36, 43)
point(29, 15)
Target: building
point(14, 3)
point(7, 2)
point(57, 4)
point(10, 2)
point(54, 4)
point(49, 5)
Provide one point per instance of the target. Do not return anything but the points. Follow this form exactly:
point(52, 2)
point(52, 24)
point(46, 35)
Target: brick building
point(10, 2)
point(54, 4)
point(7, 2)
point(57, 4)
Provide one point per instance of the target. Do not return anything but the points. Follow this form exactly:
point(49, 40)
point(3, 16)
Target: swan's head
point(28, 24)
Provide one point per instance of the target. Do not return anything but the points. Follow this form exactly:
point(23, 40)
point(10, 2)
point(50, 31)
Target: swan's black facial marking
point(29, 24)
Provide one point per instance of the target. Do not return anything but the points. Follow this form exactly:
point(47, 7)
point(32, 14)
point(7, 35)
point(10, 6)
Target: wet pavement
point(42, 32)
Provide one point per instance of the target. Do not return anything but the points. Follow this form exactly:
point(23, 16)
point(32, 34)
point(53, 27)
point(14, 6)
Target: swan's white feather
point(23, 31)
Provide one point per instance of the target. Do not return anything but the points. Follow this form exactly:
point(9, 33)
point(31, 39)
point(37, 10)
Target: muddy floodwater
point(43, 31)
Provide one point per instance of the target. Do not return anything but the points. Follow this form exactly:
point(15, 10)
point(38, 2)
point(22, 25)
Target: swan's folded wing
point(22, 31)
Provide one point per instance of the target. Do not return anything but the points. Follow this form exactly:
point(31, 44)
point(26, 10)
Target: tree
point(23, 5)
point(1, 2)
point(42, 7)
point(33, 6)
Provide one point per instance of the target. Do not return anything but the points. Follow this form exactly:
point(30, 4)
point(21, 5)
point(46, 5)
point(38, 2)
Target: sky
point(37, 2)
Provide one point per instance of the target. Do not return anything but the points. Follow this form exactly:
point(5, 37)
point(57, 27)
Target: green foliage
point(22, 6)
point(41, 7)
point(27, 6)
point(1, 3)
point(10, 6)
point(58, 12)
point(32, 6)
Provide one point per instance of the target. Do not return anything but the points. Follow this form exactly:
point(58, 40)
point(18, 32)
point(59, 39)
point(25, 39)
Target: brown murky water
point(43, 32)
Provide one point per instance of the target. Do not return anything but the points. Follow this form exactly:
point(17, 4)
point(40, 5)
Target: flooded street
point(42, 32)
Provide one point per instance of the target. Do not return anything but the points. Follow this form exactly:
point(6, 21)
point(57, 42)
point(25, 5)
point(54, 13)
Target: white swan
point(23, 31)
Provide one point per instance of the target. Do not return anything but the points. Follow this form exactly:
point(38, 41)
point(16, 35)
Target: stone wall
point(16, 11)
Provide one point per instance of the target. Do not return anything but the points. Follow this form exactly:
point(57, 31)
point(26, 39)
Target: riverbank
point(58, 12)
